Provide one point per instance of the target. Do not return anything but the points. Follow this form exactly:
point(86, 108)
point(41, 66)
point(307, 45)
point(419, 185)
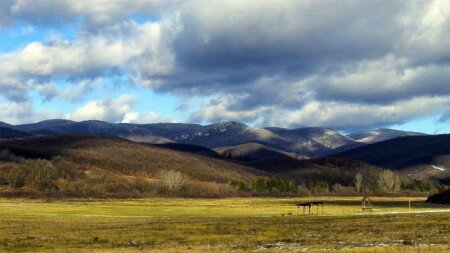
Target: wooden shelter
point(309, 205)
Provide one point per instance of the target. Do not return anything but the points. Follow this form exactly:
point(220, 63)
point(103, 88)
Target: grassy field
point(222, 225)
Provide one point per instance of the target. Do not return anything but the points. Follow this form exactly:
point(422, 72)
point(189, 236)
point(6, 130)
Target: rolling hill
point(3, 124)
point(8, 133)
point(252, 151)
point(417, 156)
point(308, 142)
point(191, 149)
point(126, 157)
point(290, 166)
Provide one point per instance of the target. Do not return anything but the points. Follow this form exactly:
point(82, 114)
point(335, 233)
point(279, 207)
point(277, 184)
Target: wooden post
point(409, 205)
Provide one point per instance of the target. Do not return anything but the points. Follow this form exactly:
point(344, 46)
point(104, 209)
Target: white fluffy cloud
point(346, 115)
point(112, 110)
point(121, 49)
point(24, 112)
point(120, 110)
point(146, 118)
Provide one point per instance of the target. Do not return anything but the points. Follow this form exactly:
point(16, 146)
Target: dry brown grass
point(132, 158)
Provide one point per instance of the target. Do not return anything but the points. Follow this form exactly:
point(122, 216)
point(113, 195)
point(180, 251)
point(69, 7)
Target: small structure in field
point(309, 205)
point(366, 206)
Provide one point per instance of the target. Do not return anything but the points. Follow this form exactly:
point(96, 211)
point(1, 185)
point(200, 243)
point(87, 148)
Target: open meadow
point(222, 225)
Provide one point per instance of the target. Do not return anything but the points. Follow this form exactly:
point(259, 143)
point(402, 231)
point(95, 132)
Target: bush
point(66, 169)
point(388, 182)
point(240, 185)
point(422, 186)
point(6, 155)
point(16, 178)
point(208, 190)
point(341, 190)
point(318, 187)
point(274, 184)
point(267, 185)
point(42, 174)
point(173, 180)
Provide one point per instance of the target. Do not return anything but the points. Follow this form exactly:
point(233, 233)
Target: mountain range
point(306, 142)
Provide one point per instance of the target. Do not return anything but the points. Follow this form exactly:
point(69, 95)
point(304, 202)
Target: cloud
point(146, 118)
point(445, 117)
point(111, 110)
point(383, 80)
point(289, 63)
point(95, 15)
point(360, 58)
point(347, 116)
point(24, 112)
point(118, 110)
point(118, 51)
point(219, 110)
point(81, 89)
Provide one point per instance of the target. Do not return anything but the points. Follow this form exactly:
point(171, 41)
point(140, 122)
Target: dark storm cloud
point(93, 15)
point(229, 44)
point(361, 54)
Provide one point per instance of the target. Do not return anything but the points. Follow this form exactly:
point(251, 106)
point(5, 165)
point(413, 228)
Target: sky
point(348, 65)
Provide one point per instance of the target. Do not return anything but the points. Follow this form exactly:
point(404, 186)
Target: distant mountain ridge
point(380, 135)
point(307, 142)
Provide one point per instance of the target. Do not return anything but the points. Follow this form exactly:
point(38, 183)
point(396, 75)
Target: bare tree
point(358, 181)
point(388, 181)
point(173, 180)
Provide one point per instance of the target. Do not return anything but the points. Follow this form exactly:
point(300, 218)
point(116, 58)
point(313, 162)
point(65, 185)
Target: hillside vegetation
point(95, 166)
point(78, 165)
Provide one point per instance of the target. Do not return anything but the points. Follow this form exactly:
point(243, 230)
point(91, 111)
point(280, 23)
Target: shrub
point(240, 185)
point(267, 185)
point(422, 186)
point(42, 174)
point(318, 187)
point(66, 169)
point(16, 178)
point(388, 182)
point(173, 180)
point(6, 155)
point(274, 184)
point(341, 190)
point(208, 190)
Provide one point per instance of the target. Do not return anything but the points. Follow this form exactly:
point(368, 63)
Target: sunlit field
point(240, 225)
